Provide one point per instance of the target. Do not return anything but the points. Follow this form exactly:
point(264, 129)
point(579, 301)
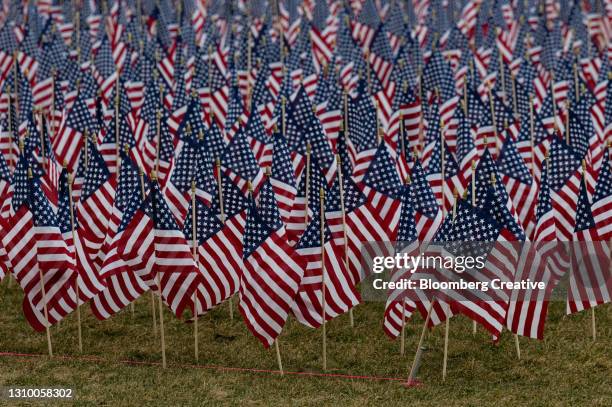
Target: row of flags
point(207, 149)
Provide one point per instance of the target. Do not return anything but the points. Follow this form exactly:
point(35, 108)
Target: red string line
point(210, 367)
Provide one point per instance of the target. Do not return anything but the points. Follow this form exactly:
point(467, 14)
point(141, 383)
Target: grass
point(568, 368)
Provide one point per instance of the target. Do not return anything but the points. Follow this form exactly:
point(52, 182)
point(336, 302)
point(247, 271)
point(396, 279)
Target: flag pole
point(210, 75)
point(447, 322)
point(42, 288)
point(473, 194)
point(552, 94)
point(161, 303)
point(403, 331)
point(401, 134)
point(41, 125)
point(158, 137)
point(492, 108)
point(531, 135)
point(323, 276)
point(502, 74)
point(222, 212)
point(567, 126)
point(307, 184)
point(52, 109)
point(593, 322)
point(142, 190)
point(117, 118)
point(419, 352)
point(15, 75)
point(283, 122)
point(344, 228)
point(346, 133)
point(78, 308)
point(278, 357)
point(10, 125)
point(195, 259)
point(442, 165)
point(465, 102)
point(421, 124)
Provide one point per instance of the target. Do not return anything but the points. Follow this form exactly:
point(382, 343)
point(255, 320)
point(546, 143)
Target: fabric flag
point(88, 279)
point(324, 266)
point(398, 308)
point(156, 249)
point(589, 281)
point(36, 249)
point(272, 272)
point(96, 202)
point(218, 257)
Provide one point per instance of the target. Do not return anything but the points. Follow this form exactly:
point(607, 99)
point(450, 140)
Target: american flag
point(589, 283)
point(325, 266)
point(156, 249)
point(96, 201)
point(220, 265)
point(39, 257)
point(398, 308)
point(272, 272)
point(359, 99)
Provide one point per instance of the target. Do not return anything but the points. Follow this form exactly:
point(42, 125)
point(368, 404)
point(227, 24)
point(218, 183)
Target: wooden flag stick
point(514, 101)
point(344, 228)
point(42, 289)
point(41, 124)
point(78, 308)
point(368, 81)
point(15, 75)
point(222, 212)
point(401, 133)
point(161, 304)
point(142, 190)
point(465, 101)
point(447, 322)
point(552, 95)
point(10, 125)
point(117, 100)
point(403, 331)
point(52, 108)
point(194, 248)
point(210, 69)
point(307, 184)
point(323, 276)
point(576, 83)
point(442, 164)
point(419, 351)
point(567, 125)
point(502, 74)
point(531, 134)
point(493, 117)
point(158, 137)
point(517, 345)
point(346, 119)
point(278, 357)
point(473, 193)
point(283, 118)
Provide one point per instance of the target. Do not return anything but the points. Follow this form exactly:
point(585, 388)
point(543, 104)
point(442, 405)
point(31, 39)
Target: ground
point(568, 368)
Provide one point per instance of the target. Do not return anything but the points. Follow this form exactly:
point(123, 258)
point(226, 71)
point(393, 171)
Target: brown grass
point(568, 368)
